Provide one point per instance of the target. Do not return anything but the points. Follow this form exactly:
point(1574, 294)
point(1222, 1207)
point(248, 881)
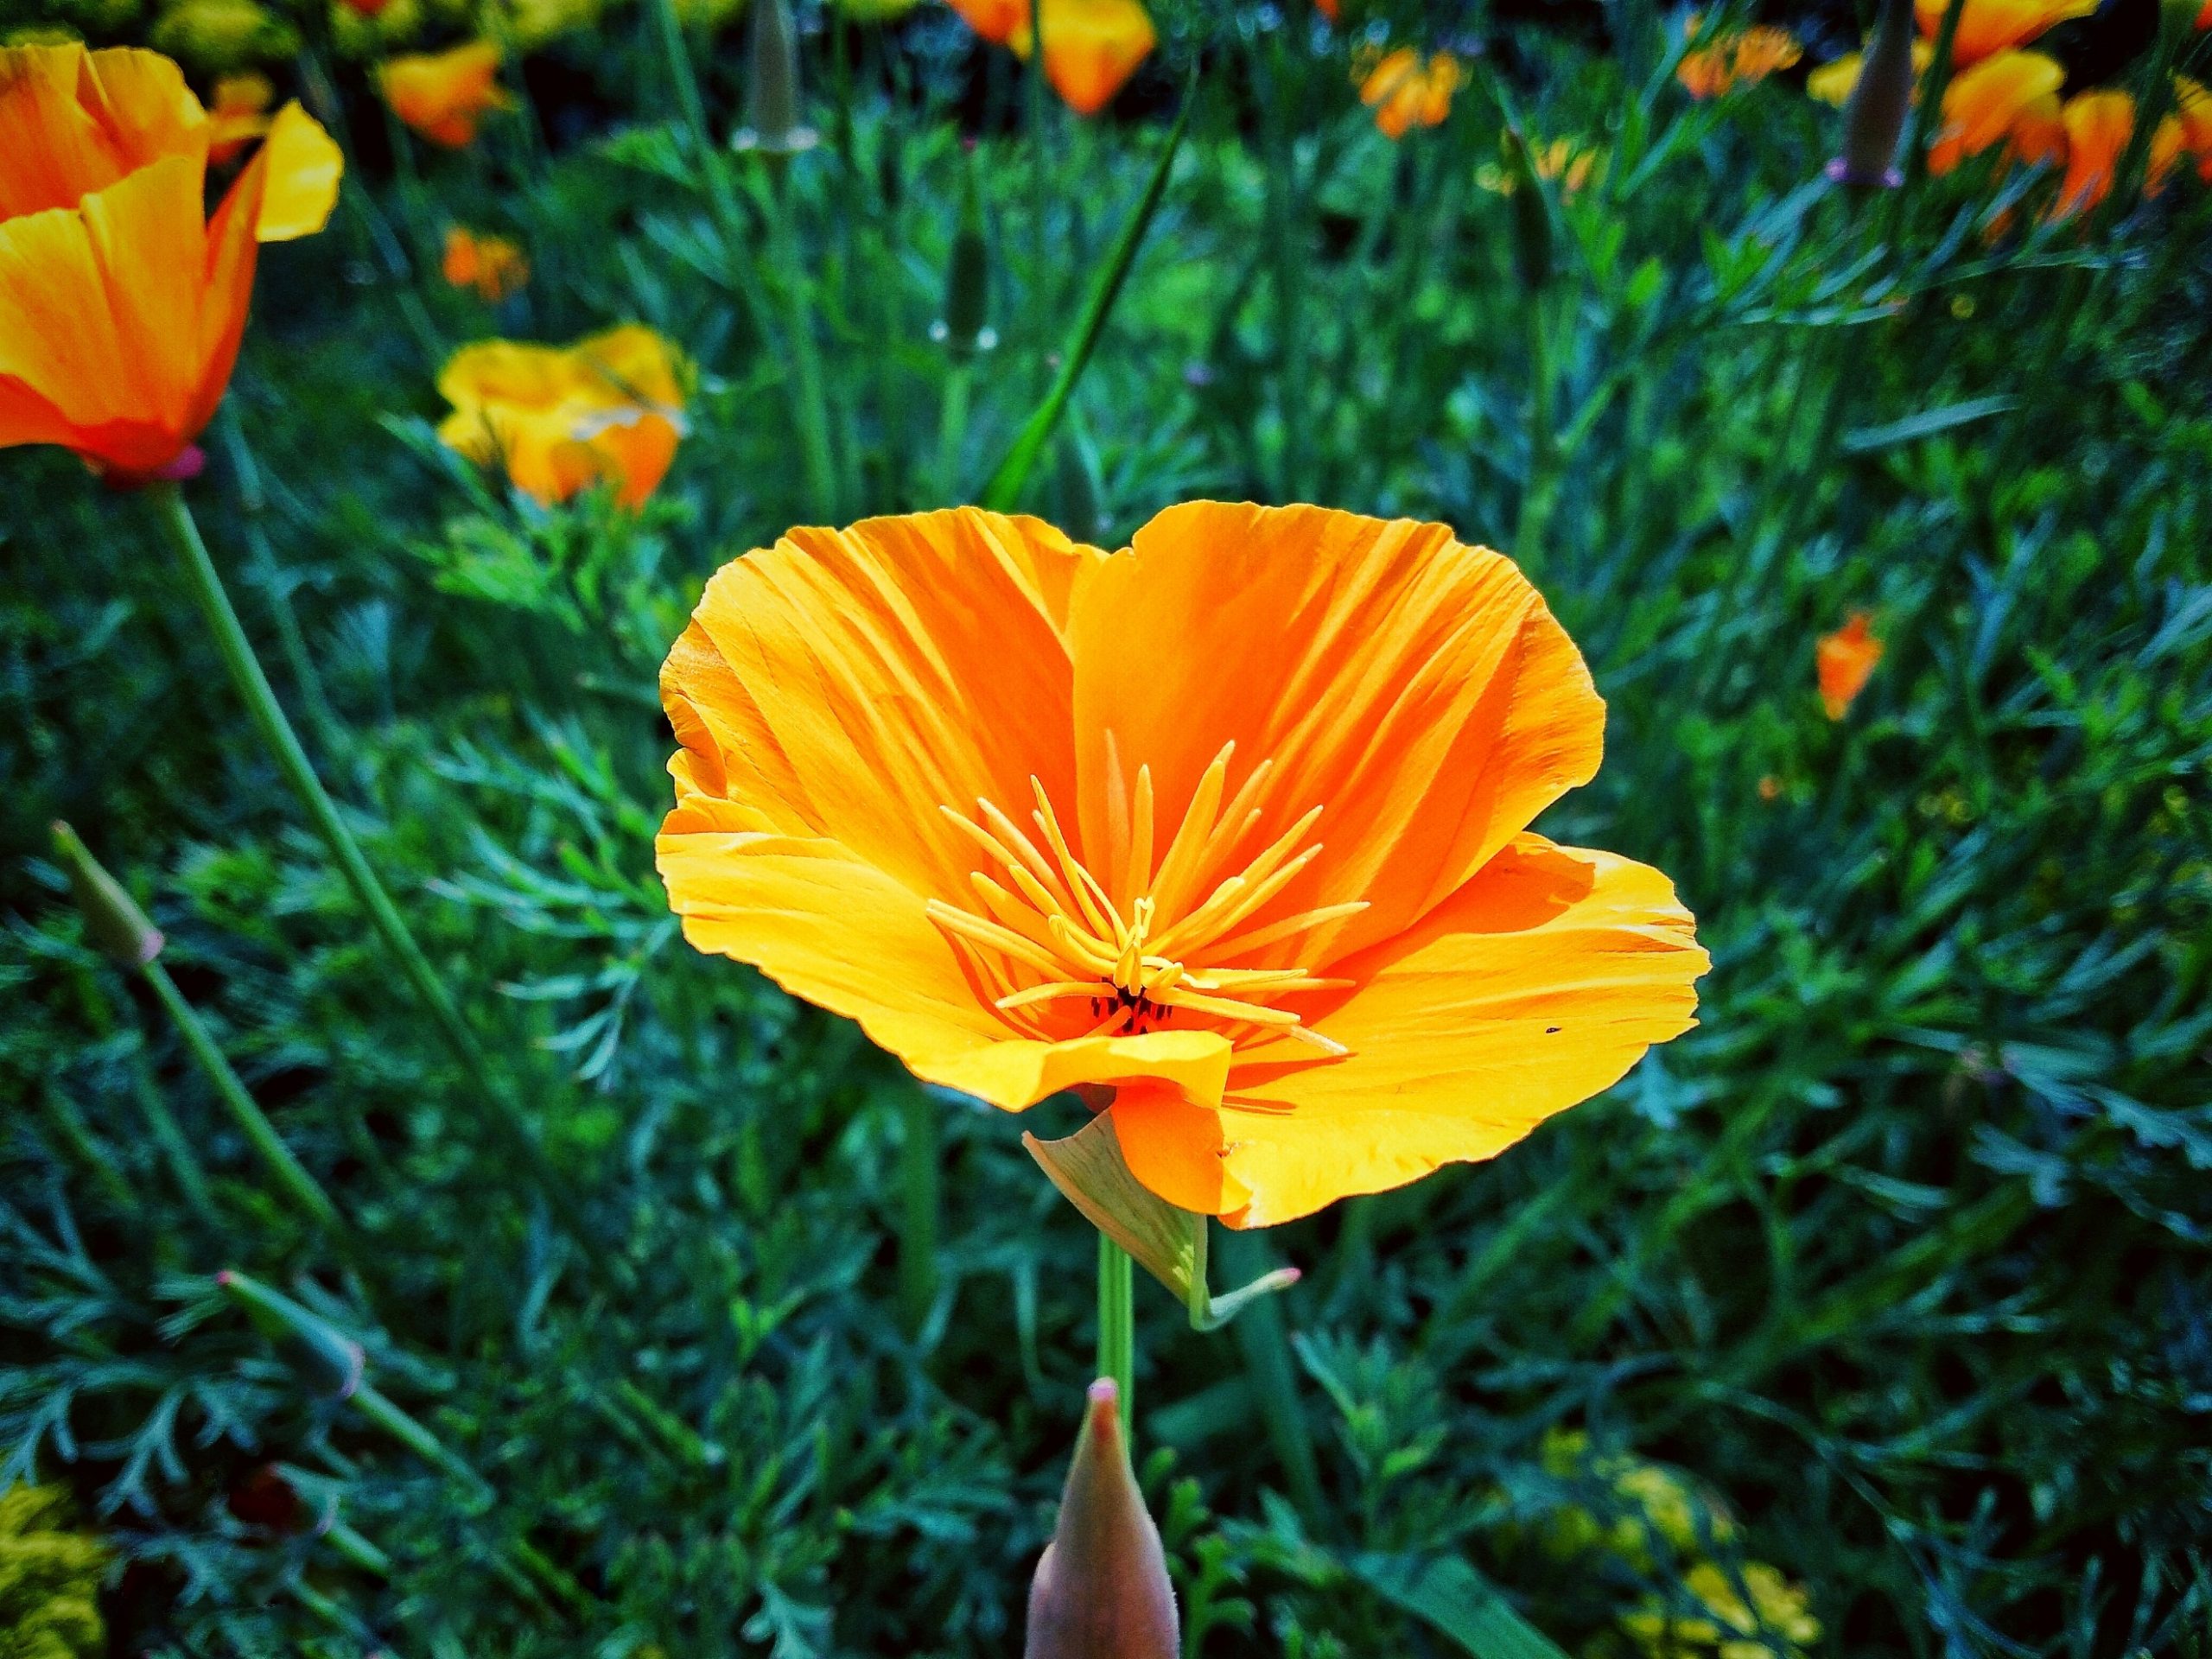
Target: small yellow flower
point(1407, 91)
point(1730, 58)
point(1560, 161)
point(1769, 1617)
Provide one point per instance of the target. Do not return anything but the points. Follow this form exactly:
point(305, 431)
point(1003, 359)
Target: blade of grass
point(1004, 489)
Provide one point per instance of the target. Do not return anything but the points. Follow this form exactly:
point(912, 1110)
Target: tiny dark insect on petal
point(1551, 1031)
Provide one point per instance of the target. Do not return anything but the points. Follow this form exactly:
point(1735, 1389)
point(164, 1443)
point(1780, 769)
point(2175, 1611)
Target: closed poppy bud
point(1876, 113)
point(772, 92)
point(114, 923)
point(1101, 1590)
point(967, 277)
point(1845, 662)
point(329, 1361)
point(1532, 218)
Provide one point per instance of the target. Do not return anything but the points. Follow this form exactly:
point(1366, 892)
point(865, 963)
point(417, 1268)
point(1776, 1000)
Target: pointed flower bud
point(1101, 1590)
point(1876, 114)
point(772, 124)
point(327, 1358)
point(114, 924)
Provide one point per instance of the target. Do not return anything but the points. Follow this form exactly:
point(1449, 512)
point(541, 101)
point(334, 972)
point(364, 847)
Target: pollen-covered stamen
point(1129, 954)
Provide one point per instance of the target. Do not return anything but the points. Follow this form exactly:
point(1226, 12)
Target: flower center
point(1065, 953)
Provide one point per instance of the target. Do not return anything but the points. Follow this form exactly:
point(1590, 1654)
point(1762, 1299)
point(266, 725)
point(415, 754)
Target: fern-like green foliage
point(49, 1579)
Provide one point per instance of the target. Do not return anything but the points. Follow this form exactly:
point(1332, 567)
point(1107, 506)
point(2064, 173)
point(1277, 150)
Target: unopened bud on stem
point(114, 926)
point(772, 126)
point(1876, 114)
point(1532, 213)
point(1101, 1590)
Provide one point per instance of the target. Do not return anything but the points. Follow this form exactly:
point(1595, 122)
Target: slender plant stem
point(1535, 494)
point(261, 1135)
point(919, 1218)
point(689, 104)
point(1118, 1324)
point(253, 501)
point(1040, 188)
point(952, 431)
point(283, 746)
point(806, 357)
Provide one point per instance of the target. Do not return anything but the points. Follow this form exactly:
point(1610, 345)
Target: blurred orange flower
point(2187, 131)
point(239, 114)
point(444, 96)
point(995, 20)
point(492, 265)
point(1987, 26)
point(1039, 816)
point(1562, 161)
point(2038, 134)
point(1329, 9)
point(2098, 126)
point(609, 409)
point(1406, 91)
point(1091, 48)
point(1984, 103)
point(1734, 57)
point(1844, 661)
point(122, 304)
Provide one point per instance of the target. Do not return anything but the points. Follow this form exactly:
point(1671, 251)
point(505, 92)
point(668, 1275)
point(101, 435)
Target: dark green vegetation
point(1901, 1257)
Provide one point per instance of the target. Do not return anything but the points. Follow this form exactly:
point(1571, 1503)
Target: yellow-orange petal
point(2098, 126)
point(1536, 986)
point(304, 165)
point(1833, 83)
point(1091, 48)
point(850, 684)
point(1844, 661)
point(1983, 102)
point(1987, 27)
point(105, 321)
point(77, 121)
point(1417, 690)
point(2037, 137)
point(445, 95)
point(997, 20)
point(1407, 91)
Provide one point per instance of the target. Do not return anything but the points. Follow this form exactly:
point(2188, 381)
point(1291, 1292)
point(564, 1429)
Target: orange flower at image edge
point(1987, 26)
point(1844, 661)
point(122, 304)
point(558, 420)
point(1234, 821)
point(1091, 46)
point(445, 96)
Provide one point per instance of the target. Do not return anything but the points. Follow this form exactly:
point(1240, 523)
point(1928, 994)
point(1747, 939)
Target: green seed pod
point(1101, 1590)
point(772, 122)
point(114, 923)
point(330, 1362)
point(1532, 213)
point(1875, 116)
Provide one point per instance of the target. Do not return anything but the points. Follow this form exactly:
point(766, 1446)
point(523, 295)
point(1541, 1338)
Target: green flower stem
point(1118, 1324)
point(1926, 110)
point(286, 1170)
point(253, 501)
point(283, 745)
point(805, 354)
point(1536, 493)
point(952, 430)
point(1040, 185)
point(689, 104)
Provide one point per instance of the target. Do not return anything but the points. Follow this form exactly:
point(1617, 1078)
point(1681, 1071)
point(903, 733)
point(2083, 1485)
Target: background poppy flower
point(239, 109)
point(492, 266)
point(1234, 820)
point(560, 419)
point(2098, 126)
point(122, 303)
point(1735, 57)
point(1091, 48)
point(2187, 131)
point(1844, 661)
point(445, 96)
point(1983, 103)
point(1407, 91)
point(996, 21)
point(1987, 26)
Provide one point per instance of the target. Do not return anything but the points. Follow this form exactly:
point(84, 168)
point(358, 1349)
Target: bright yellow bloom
point(1833, 83)
point(445, 95)
point(607, 410)
point(1406, 91)
point(1733, 58)
point(1091, 48)
point(491, 265)
point(1844, 661)
point(122, 304)
point(1987, 26)
point(1233, 821)
point(1773, 1621)
point(1983, 105)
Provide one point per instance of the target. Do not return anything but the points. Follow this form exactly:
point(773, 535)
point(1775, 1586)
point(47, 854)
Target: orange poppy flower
point(1982, 104)
point(1736, 57)
point(2187, 131)
point(444, 96)
point(1845, 662)
point(2098, 126)
point(1233, 821)
point(240, 114)
point(491, 265)
point(609, 409)
point(1328, 8)
point(122, 303)
point(996, 21)
point(2037, 137)
point(1091, 48)
point(1987, 26)
point(1406, 92)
